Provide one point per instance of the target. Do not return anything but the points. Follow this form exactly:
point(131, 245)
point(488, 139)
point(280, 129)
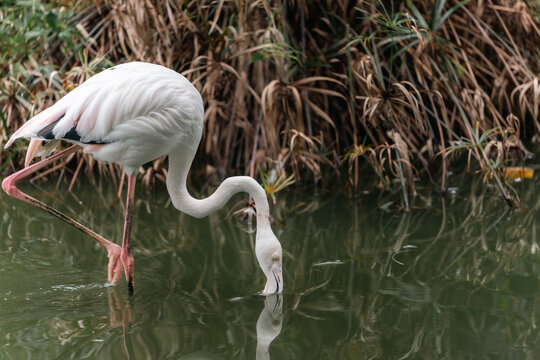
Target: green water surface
point(456, 278)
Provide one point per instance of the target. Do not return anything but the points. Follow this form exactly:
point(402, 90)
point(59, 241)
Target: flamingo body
point(131, 114)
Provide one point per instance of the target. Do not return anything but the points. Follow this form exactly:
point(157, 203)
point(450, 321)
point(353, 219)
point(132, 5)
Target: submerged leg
point(126, 257)
point(9, 186)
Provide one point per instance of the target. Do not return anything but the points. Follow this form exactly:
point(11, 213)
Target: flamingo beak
point(274, 280)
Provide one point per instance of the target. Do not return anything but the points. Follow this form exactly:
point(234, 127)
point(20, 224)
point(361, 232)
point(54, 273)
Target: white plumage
point(135, 112)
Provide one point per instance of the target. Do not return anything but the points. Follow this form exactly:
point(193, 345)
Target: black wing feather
point(47, 134)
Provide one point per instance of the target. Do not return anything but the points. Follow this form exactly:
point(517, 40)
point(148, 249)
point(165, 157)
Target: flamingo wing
point(129, 114)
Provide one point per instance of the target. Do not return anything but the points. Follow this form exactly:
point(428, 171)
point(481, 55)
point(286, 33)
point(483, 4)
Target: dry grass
point(308, 88)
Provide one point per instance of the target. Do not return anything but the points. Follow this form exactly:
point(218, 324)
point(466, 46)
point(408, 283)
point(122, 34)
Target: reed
point(311, 89)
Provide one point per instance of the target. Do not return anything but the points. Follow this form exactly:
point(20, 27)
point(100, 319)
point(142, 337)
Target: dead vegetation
point(309, 89)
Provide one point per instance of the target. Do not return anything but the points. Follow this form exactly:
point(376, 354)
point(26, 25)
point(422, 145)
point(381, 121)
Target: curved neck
point(179, 164)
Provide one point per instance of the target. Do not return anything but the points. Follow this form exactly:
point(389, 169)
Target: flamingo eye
point(275, 258)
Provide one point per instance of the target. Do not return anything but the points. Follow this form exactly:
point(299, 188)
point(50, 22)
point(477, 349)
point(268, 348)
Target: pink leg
point(126, 257)
point(9, 186)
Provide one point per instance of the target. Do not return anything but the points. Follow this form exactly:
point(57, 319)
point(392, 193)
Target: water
point(456, 278)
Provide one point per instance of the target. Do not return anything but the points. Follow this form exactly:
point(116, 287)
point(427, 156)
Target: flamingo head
point(269, 255)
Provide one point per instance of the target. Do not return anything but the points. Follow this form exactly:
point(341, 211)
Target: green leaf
point(421, 21)
point(52, 20)
point(32, 34)
point(256, 57)
point(451, 11)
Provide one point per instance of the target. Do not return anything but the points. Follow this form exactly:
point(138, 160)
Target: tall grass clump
point(309, 89)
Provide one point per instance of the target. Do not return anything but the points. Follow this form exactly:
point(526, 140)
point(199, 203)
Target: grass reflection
point(456, 281)
point(419, 283)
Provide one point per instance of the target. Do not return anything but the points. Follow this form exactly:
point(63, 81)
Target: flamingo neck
point(179, 164)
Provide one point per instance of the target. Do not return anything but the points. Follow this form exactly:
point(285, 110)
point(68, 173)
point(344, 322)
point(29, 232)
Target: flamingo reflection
point(269, 324)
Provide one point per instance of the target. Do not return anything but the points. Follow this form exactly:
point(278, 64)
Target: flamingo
point(131, 114)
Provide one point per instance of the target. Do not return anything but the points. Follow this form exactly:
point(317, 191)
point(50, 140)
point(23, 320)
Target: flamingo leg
point(126, 256)
point(10, 188)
